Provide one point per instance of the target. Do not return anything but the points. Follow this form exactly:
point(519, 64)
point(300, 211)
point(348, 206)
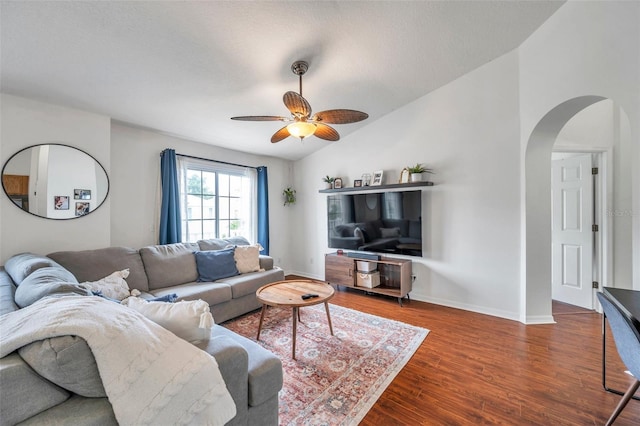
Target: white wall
point(26, 122)
point(584, 49)
point(134, 193)
point(468, 132)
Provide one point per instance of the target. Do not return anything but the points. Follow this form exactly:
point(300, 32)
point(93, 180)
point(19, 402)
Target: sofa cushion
point(76, 410)
point(215, 264)
point(169, 264)
point(189, 320)
point(389, 232)
point(222, 243)
point(242, 285)
point(66, 361)
point(51, 280)
point(30, 393)
point(92, 265)
point(212, 293)
point(22, 265)
point(113, 286)
point(247, 258)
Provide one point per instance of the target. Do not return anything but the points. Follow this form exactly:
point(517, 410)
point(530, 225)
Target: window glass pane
point(224, 207)
point(235, 186)
point(235, 208)
point(194, 230)
point(194, 182)
point(194, 207)
point(235, 229)
point(208, 229)
point(208, 183)
point(224, 229)
point(223, 185)
point(209, 208)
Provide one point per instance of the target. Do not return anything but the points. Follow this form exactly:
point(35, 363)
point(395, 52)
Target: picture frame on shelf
point(377, 178)
point(337, 183)
point(357, 183)
point(404, 176)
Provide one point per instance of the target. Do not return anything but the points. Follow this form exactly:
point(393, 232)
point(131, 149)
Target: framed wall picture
point(377, 178)
point(82, 209)
point(81, 194)
point(61, 202)
point(404, 175)
point(337, 183)
point(357, 183)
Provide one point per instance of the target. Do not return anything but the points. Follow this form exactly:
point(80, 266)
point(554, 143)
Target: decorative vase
point(328, 185)
point(416, 177)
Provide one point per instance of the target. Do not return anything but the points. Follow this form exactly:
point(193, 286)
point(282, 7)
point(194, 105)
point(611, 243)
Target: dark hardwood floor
point(478, 369)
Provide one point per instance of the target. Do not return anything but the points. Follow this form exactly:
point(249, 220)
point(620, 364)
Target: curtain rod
point(216, 161)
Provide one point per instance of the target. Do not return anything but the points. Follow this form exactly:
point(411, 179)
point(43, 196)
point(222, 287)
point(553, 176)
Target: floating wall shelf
point(409, 185)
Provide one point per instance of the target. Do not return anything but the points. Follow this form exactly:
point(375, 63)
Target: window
point(218, 201)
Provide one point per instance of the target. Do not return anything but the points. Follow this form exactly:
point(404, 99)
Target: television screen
point(381, 222)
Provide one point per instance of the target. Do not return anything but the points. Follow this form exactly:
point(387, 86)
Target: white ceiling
point(185, 68)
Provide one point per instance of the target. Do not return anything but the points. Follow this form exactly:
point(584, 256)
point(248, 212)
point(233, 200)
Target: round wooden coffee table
point(289, 293)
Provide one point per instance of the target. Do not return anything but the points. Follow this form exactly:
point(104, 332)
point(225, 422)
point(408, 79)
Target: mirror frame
point(66, 146)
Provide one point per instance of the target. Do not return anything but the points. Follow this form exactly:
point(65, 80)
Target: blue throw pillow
point(215, 264)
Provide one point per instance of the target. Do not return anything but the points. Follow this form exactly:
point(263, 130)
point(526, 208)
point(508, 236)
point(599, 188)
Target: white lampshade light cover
point(301, 129)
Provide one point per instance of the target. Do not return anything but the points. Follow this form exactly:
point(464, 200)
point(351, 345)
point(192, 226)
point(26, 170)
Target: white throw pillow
point(114, 286)
point(189, 320)
point(247, 258)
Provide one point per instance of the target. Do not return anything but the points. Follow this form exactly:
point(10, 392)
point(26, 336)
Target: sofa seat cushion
point(30, 393)
point(51, 280)
point(22, 265)
point(76, 410)
point(242, 285)
point(66, 361)
point(169, 264)
point(92, 265)
point(265, 369)
point(212, 293)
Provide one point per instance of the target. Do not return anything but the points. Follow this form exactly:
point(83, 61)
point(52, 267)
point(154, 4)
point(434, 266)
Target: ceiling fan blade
point(326, 132)
point(260, 118)
point(280, 134)
point(340, 116)
point(297, 104)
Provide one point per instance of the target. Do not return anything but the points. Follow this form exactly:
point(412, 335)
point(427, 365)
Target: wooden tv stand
point(395, 274)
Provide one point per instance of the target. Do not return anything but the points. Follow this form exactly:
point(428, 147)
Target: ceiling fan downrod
point(299, 68)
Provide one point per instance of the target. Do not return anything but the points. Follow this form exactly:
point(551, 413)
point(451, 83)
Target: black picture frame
point(357, 183)
point(337, 183)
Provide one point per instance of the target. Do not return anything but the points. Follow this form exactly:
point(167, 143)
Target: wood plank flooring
point(478, 369)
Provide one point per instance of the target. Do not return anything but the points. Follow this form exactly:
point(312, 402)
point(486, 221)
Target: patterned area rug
point(335, 379)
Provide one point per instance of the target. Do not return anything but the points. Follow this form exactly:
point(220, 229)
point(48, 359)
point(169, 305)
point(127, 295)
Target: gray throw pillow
point(46, 282)
point(66, 361)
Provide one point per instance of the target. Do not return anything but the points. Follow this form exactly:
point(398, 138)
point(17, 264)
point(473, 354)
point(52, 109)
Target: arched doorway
point(536, 292)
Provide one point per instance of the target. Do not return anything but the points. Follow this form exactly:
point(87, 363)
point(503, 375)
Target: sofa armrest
point(233, 362)
point(266, 262)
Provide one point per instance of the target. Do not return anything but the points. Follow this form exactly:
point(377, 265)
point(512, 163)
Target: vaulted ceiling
point(185, 68)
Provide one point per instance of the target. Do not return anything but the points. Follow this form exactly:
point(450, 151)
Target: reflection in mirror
point(55, 181)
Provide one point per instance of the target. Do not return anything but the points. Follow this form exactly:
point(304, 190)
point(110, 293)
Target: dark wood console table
point(628, 301)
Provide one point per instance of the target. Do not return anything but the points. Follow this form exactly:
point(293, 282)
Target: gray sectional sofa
point(56, 381)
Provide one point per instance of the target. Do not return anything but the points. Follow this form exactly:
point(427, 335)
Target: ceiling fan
point(301, 123)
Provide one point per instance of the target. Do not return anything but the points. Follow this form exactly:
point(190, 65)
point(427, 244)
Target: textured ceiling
point(185, 68)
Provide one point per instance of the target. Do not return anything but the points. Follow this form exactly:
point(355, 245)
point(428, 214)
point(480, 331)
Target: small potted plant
point(417, 171)
point(328, 180)
point(289, 196)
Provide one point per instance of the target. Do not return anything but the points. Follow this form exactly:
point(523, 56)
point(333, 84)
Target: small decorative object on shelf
point(377, 178)
point(337, 183)
point(366, 179)
point(404, 176)
point(289, 196)
point(328, 180)
point(357, 183)
point(417, 171)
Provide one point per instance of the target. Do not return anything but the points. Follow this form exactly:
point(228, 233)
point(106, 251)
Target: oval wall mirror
point(55, 181)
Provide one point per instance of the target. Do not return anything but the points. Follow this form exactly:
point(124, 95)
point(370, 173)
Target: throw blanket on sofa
point(150, 375)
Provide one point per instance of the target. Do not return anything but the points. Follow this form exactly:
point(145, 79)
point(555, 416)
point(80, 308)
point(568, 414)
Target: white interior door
point(572, 236)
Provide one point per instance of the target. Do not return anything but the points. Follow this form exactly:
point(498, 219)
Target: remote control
point(308, 296)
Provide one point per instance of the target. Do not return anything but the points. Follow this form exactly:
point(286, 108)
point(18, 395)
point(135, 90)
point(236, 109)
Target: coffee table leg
point(295, 326)
point(264, 309)
point(326, 307)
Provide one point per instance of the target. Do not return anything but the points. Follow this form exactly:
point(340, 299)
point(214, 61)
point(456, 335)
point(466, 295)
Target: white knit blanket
point(151, 376)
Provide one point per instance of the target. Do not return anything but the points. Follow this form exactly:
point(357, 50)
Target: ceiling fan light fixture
point(301, 129)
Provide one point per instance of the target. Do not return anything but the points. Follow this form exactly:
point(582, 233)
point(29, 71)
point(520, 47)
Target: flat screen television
point(379, 222)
